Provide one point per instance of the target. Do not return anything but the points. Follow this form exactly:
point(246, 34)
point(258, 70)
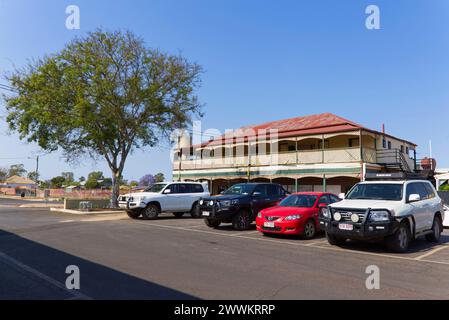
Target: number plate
point(206, 213)
point(268, 224)
point(346, 226)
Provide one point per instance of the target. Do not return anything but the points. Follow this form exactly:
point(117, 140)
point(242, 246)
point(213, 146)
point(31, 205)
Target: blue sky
point(263, 61)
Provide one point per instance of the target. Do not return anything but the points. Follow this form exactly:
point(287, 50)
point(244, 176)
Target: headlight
point(211, 203)
point(235, 201)
point(379, 216)
point(337, 216)
point(293, 217)
point(355, 217)
point(325, 212)
point(259, 215)
point(201, 202)
point(224, 203)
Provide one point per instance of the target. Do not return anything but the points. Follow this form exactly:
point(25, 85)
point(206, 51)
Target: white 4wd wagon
point(175, 197)
point(395, 211)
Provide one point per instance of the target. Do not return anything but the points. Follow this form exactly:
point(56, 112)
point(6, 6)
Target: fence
point(78, 194)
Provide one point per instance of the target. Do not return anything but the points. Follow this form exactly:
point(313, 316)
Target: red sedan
point(295, 215)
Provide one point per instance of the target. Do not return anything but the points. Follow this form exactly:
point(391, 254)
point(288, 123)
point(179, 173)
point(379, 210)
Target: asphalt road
point(173, 258)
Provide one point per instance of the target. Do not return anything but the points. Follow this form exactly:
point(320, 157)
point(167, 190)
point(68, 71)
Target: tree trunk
point(115, 188)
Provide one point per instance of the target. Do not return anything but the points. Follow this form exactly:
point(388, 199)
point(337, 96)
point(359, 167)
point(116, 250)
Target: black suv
point(240, 204)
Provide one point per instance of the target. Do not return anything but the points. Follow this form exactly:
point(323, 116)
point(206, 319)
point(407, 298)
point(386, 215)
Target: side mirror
point(167, 191)
point(342, 196)
point(414, 198)
point(222, 192)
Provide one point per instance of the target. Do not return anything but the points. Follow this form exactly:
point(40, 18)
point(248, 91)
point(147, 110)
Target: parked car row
point(392, 210)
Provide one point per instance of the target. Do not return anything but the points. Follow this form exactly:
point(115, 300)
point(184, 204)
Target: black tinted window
point(376, 191)
point(273, 190)
point(334, 199)
point(417, 188)
point(261, 189)
point(324, 199)
point(430, 191)
point(173, 188)
point(194, 188)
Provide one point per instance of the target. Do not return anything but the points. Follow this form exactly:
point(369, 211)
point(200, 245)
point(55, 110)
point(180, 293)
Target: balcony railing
point(343, 155)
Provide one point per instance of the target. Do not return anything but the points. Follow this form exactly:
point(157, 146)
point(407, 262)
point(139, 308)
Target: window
point(334, 198)
point(273, 190)
point(389, 145)
point(301, 201)
point(324, 199)
point(194, 188)
point(262, 189)
point(376, 191)
point(156, 187)
point(402, 149)
point(173, 188)
point(240, 189)
point(417, 188)
point(384, 143)
point(407, 151)
point(430, 192)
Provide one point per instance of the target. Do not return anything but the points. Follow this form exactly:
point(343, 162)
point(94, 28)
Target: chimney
point(383, 128)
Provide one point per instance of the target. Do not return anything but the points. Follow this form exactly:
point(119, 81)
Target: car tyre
point(151, 212)
point(400, 240)
point(178, 214)
point(335, 240)
point(133, 214)
point(436, 230)
point(211, 223)
point(195, 212)
point(242, 220)
point(309, 230)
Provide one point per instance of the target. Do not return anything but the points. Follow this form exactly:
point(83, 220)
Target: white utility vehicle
point(175, 197)
point(390, 209)
point(446, 216)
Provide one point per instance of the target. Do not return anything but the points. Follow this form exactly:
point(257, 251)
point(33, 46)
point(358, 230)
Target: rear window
point(376, 191)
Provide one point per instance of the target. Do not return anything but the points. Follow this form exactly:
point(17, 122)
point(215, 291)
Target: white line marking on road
point(296, 244)
point(15, 263)
point(431, 252)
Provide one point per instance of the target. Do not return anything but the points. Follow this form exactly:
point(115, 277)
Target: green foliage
point(17, 170)
point(57, 182)
point(444, 187)
point(3, 174)
point(159, 177)
point(103, 96)
point(69, 177)
point(94, 180)
point(33, 175)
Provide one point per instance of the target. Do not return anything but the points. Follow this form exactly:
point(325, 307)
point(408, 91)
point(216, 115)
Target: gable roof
point(18, 180)
point(307, 125)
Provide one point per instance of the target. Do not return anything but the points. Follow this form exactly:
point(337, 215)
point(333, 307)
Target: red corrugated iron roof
point(306, 125)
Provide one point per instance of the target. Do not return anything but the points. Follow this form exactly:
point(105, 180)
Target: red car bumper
point(295, 227)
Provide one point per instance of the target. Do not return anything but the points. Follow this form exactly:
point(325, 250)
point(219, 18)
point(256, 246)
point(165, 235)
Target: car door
point(274, 194)
point(170, 200)
point(193, 194)
point(433, 204)
point(260, 198)
point(418, 208)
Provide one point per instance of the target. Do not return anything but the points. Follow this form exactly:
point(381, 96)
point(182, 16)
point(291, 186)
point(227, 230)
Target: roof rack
point(397, 176)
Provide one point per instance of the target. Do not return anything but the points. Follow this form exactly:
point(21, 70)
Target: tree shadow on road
point(30, 270)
